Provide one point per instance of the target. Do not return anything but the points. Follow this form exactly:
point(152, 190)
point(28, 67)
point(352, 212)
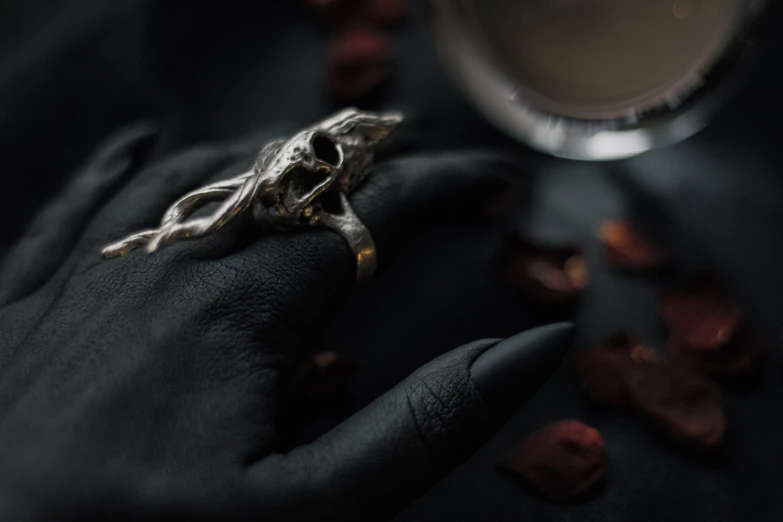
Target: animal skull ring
point(301, 181)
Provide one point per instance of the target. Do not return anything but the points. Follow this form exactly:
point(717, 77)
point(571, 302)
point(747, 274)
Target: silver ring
point(301, 181)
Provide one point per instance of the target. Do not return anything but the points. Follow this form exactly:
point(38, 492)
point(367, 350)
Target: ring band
point(301, 181)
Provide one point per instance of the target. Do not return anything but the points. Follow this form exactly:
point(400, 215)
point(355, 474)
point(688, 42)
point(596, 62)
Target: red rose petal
point(739, 359)
point(550, 274)
point(601, 367)
point(359, 63)
point(700, 315)
point(360, 58)
point(561, 460)
point(707, 329)
point(681, 405)
point(627, 249)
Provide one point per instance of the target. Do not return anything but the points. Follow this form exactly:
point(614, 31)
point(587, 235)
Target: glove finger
point(140, 205)
point(388, 454)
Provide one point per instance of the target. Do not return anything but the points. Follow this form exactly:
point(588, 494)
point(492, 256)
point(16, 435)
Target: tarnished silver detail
point(302, 181)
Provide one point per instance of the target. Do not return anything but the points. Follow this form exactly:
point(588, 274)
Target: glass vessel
point(596, 79)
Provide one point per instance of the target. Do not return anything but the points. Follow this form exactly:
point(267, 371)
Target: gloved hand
point(147, 387)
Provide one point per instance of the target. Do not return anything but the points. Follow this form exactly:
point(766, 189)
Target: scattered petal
point(561, 461)
point(700, 315)
point(360, 57)
point(360, 62)
point(707, 331)
point(626, 248)
point(681, 405)
point(576, 271)
point(600, 368)
point(553, 275)
point(622, 371)
point(739, 359)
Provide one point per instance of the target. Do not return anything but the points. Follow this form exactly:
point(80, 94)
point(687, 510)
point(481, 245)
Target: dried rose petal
point(576, 271)
point(681, 405)
point(700, 315)
point(707, 330)
point(561, 460)
point(737, 359)
point(360, 57)
point(551, 274)
point(359, 63)
point(601, 367)
point(627, 249)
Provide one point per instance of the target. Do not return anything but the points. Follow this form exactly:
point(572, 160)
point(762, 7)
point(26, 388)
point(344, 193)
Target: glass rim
point(683, 112)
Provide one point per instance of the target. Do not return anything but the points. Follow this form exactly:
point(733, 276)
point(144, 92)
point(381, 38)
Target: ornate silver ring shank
point(301, 181)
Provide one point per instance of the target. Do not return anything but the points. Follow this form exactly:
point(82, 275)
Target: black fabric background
point(70, 72)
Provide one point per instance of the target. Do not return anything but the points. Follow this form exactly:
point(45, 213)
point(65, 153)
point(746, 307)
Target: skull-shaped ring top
point(301, 181)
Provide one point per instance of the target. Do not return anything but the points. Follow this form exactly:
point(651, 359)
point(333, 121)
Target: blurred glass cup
point(595, 79)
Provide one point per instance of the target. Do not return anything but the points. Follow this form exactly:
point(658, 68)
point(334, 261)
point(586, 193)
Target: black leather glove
point(147, 387)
